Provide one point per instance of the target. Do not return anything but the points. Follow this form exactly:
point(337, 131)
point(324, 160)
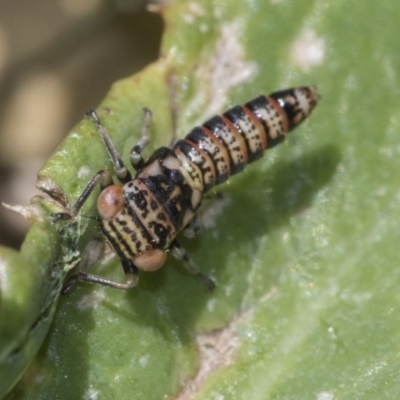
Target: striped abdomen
point(167, 191)
point(223, 145)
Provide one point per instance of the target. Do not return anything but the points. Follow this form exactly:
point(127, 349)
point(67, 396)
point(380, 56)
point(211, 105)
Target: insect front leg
point(102, 178)
point(209, 209)
point(193, 229)
point(180, 254)
point(131, 278)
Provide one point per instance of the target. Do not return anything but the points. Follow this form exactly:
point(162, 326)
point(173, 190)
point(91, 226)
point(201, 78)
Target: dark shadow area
point(254, 211)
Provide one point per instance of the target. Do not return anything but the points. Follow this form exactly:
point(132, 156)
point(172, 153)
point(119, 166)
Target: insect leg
point(131, 278)
point(135, 155)
point(122, 173)
point(193, 229)
point(102, 177)
point(180, 254)
point(210, 207)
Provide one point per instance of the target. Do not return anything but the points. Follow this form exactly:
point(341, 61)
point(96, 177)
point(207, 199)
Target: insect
point(142, 216)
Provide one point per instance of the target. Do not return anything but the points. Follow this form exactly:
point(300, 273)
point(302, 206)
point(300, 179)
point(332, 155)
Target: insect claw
point(92, 114)
point(69, 284)
point(208, 282)
point(63, 216)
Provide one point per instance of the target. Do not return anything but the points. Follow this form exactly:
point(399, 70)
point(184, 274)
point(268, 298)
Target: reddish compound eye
point(110, 201)
point(151, 260)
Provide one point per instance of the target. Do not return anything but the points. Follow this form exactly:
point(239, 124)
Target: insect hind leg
point(102, 178)
point(180, 254)
point(131, 278)
point(192, 230)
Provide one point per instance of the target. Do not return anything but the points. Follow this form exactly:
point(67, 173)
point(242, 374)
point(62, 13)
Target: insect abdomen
point(223, 145)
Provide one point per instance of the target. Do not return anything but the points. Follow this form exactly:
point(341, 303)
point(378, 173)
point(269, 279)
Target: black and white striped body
point(167, 191)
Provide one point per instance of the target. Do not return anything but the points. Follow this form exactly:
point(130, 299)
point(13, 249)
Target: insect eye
point(110, 201)
point(151, 260)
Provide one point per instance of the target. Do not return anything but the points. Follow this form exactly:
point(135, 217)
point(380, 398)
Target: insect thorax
point(159, 203)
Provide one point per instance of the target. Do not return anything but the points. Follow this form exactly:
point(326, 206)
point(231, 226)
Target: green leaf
point(30, 282)
point(304, 249)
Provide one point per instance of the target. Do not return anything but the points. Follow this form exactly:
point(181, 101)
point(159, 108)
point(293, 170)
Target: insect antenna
point(95, 218)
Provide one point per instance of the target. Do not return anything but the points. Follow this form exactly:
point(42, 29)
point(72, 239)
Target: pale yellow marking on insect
point(153, 169)
point(187, 218)
point(304, 105)
point(273, 119)
point(201, 157)
point(253, 131)
point(196, 197)
point(190, 171)
point(175, 192)
point(171, 163)
point(235, 142)
point(217, 152)
point(113, 235)
point(152, 216)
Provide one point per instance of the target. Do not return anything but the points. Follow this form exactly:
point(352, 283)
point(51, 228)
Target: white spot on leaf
point(212, 212)
point(227, 68)
point(325, 396)
point(193, 11)
point(217, 349)
point(308, 50)
point(144, 360)
point(91, 394)
point(83, 172)
point(92, 300)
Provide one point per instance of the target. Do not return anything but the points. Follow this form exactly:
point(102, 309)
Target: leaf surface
point(305, 248)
